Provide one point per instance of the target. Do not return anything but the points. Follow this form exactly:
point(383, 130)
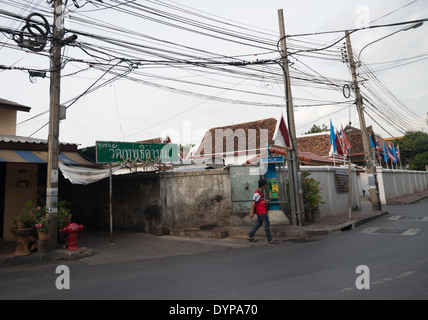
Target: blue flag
point(385, 153)
point(394, 151)
point(333, 137)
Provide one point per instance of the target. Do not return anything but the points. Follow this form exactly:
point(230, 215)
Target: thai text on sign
point(122, 151)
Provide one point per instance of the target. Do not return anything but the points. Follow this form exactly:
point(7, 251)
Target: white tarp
point(85, 175)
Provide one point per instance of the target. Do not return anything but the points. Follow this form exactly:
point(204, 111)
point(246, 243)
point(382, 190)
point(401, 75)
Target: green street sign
point(109, 151)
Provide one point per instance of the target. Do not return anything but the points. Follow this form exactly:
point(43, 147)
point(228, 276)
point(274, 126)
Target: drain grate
point(408, 218)
point(393, 231)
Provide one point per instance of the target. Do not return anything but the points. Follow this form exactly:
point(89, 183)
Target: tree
point(414, 149)
point(317, 129)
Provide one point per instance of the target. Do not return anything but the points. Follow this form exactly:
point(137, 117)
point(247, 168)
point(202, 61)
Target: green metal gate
point(244, 181)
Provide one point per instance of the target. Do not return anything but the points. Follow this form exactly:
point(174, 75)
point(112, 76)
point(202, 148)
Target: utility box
point(244, 182)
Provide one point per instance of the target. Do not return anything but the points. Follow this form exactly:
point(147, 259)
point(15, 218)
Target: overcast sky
point(162, 94)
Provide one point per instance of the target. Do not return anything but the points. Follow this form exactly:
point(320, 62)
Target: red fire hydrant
point(71, 232)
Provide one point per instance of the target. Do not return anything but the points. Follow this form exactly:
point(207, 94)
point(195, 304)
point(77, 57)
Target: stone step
point(216, 233)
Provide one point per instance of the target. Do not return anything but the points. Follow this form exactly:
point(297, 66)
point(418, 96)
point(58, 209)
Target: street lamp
point(414, 26)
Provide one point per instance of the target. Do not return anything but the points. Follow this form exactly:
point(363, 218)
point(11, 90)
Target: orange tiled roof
point(239, 132)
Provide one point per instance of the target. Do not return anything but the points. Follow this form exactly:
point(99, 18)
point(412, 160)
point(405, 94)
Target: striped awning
point(70, 158)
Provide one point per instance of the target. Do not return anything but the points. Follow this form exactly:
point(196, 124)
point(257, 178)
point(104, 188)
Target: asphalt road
point(393, 248)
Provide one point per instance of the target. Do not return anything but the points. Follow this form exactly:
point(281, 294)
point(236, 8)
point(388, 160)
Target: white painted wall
point(335, 202)
point(398, 183)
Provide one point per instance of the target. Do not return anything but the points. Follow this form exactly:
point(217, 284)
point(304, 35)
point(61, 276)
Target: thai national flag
point(344, 141)
point(391, 153)
point(377, 150)
point(395, 153)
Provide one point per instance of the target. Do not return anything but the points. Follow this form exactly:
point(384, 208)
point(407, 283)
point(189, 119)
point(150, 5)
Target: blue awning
point(70, 158)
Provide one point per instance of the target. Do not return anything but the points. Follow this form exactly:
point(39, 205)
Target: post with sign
point(120, 152)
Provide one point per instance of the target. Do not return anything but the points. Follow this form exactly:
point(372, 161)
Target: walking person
point(259, 206)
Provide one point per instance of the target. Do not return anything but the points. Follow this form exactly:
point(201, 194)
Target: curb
point(31, 258)
point(54, 255)
point(346, 226)
point(397, 201)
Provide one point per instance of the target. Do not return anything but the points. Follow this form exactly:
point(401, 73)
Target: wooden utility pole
point(53, 138)
point(370, 165)
point(292, 155)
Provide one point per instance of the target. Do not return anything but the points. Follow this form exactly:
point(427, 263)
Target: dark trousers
point(262, 219)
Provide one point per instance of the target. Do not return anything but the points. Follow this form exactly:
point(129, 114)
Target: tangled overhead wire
point(76, 4)
point(34, 33)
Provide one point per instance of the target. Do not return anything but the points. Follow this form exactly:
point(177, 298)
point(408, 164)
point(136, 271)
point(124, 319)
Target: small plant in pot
point(43, 228)
point(312, 198)
point(26, 219)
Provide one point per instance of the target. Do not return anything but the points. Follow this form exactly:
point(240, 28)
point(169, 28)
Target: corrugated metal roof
point(21, 139)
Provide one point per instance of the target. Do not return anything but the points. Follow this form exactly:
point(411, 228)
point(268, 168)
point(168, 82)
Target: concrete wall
point(188, 199)
point(7, 122)
point(201, 198)
point(193, 199)
point(335, 202)
point(197, 198)
point(397, 183)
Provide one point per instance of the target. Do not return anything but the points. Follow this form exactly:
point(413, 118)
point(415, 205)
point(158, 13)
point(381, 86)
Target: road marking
point(393, 231)
point(408, 218)
point(384, 280)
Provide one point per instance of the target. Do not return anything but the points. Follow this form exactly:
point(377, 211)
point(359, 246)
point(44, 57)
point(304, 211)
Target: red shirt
point(259, 199)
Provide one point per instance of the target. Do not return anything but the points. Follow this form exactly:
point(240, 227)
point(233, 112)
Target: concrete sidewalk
point(97, 247)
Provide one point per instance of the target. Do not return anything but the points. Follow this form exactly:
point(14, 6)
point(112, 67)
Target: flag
point(391, 153)
point(398, 153)
point(339, 147)
point(371, 142)
point(385, 152)
point(344, 141)
point(282, 138)
point(395, 153)
point(167, 140)
point(332, 138)
point(377, 150)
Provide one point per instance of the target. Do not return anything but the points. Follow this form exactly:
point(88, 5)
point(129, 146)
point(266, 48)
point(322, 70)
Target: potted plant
point(43, 228)
point(24, 229)
point(25, 219)
point(312, 198)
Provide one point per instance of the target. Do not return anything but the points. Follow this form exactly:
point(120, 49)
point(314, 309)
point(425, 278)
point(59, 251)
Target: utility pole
point(370, 165)
point(53, 138)
point(292, 159)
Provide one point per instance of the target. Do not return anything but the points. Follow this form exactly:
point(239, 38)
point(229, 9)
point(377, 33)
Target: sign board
point(109, 151)
point(273, 159)
point(341, 181)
